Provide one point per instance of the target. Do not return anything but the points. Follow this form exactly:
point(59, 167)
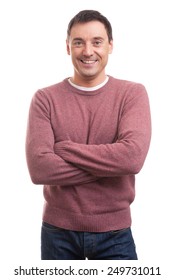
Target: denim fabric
point(61, 244)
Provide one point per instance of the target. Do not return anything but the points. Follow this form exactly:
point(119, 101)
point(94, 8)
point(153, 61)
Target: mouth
point(89, 62)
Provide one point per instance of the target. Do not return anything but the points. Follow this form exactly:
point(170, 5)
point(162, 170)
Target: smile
point(88, 61)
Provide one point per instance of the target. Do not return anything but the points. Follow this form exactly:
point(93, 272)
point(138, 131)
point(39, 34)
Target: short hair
point(90, 15)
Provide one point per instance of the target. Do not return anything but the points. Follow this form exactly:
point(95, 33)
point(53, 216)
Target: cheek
point(74, 52)
point(105, 55)
point(74, 61)
point(104, 52)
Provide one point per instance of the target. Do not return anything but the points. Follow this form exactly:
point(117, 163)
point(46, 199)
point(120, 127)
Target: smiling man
point(87, 138)
point(89, 46)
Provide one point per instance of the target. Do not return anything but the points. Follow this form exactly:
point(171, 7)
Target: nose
point(88, 49)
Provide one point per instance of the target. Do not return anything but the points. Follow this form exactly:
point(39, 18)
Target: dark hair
point(87, 16)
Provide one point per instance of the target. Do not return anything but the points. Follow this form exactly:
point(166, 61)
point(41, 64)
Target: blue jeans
point(61, 244)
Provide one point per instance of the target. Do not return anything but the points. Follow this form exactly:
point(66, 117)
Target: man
point(87, 137)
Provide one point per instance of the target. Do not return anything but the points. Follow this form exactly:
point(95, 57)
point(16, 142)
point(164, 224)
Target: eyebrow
point(94, 38)
point(77, 39)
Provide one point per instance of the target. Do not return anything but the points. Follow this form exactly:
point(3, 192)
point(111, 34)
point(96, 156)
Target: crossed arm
point(124, 157)
point(45, 166)
point(67, 163)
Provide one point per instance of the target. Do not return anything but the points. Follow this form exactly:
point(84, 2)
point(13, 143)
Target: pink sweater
point(85, 148)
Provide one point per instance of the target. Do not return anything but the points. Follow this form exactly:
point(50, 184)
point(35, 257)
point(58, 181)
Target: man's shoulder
point(126, 86)
point(124, 82)
point(55, 88)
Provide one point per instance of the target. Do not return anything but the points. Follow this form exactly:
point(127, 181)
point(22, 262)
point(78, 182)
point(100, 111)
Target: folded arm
point(123, 157)
point(46, 167)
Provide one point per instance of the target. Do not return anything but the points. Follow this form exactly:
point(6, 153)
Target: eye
point(77, 43)
point(97, 43)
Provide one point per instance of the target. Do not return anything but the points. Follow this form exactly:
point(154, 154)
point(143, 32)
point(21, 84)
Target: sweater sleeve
point(46, 167)
point(127, 154)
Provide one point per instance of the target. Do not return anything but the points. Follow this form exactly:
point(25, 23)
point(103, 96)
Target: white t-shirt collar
point(89, 88)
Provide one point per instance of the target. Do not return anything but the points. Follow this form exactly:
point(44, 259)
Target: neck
point(88, 81)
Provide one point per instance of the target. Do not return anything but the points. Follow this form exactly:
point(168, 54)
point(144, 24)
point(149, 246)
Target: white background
point(33, 55)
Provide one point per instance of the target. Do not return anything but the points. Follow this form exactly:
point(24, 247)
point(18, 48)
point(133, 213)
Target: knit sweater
point(85, 147)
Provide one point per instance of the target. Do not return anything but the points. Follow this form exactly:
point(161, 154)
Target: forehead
point(90, 29)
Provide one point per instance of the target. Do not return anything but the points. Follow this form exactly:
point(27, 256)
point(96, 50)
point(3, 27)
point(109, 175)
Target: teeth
point(88, 61)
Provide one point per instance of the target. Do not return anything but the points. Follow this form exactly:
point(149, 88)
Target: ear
point(67, 47)
point(110, 47)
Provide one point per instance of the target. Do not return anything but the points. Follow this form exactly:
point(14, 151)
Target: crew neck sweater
point(86, 148)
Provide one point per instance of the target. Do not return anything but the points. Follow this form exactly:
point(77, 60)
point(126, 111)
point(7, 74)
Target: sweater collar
point(89, 88)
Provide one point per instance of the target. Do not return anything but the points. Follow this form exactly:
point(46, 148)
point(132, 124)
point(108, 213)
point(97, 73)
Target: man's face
point(89, 47)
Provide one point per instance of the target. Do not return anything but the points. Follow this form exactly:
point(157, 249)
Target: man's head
point(89, 42)
point(87, 16)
